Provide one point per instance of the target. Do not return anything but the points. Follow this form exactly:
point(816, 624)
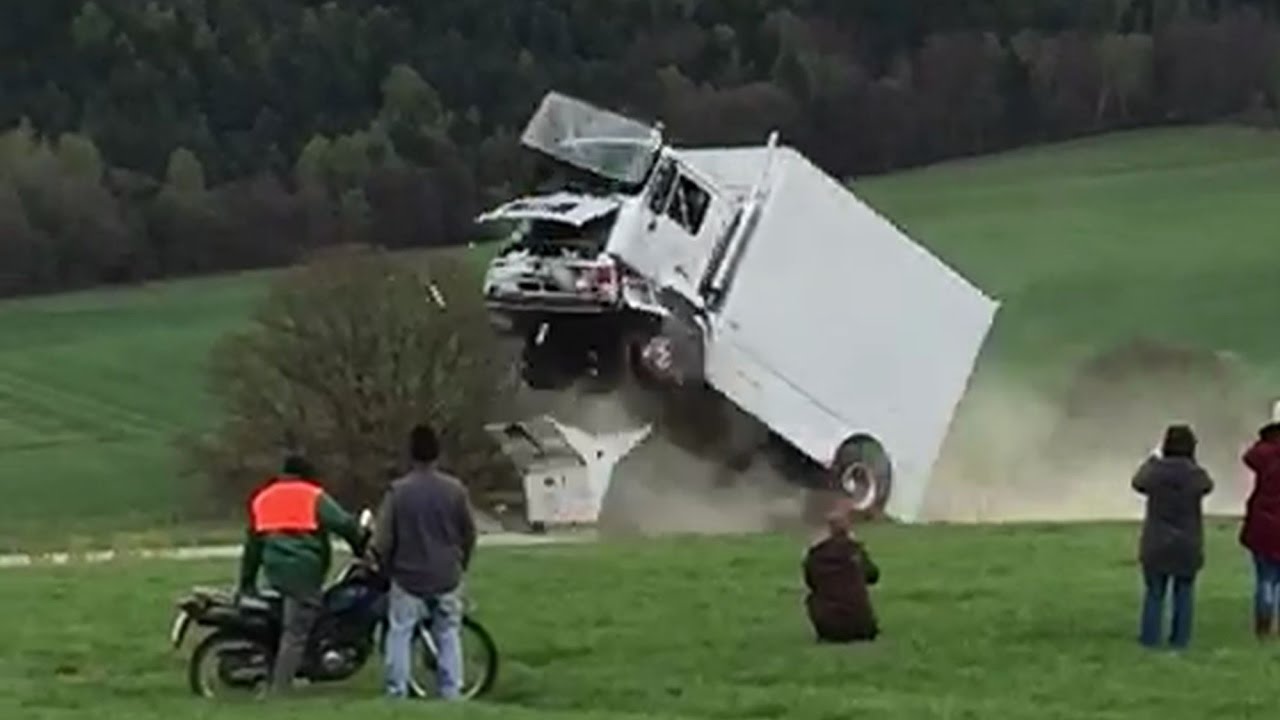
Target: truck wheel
point(862, 472)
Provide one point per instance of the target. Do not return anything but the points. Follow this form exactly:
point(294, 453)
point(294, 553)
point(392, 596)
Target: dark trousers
point(1157, 587)
point(845, 635)
point(840, 624)
point(301, 610)
point(1266, 593)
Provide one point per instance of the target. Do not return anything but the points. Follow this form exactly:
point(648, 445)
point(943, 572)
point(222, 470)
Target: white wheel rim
point(658, 354)
point(863, 491)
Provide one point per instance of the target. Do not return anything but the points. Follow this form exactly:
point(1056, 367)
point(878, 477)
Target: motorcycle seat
point(215, 596)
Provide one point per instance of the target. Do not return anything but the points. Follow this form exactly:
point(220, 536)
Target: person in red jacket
point(1260, 532)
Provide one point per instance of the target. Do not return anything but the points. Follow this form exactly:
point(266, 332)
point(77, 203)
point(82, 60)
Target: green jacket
point(296, 560)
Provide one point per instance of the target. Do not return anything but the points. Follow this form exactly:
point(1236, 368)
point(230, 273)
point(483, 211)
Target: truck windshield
point(598, 141)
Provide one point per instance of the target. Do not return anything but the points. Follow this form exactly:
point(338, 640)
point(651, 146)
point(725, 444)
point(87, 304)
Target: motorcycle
point(238, 652)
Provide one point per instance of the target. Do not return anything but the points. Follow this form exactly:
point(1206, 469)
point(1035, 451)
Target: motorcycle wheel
point(226, 665)
point(479, 662)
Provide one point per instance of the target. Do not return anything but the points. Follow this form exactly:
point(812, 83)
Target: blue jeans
point(1266, 589)
point(1157, 586)
point(405, 613)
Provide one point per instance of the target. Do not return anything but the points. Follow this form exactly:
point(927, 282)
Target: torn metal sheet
point(599, 141)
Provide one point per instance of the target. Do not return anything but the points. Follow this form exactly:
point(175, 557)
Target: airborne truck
point(746, 276)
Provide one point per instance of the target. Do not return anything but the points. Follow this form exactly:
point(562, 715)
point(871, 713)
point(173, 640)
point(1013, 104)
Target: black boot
point(1263, 625)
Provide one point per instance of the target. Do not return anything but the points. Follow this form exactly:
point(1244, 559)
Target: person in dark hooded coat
point(837, 571)
point(1172, 545)
point(1260, 532)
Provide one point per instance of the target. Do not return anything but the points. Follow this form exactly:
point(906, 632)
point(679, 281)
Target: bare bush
point(344, 355)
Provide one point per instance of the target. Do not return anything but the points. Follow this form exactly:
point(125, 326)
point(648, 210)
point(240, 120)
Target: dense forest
point(148, 138)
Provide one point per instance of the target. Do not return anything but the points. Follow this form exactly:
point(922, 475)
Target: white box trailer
point(832, 324)
point(771, 284)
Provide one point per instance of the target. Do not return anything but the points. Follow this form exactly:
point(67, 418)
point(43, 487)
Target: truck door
point(685, 217)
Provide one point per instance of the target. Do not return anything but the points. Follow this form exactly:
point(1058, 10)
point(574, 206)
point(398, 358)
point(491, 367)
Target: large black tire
point(863, 473)
point(205, 652)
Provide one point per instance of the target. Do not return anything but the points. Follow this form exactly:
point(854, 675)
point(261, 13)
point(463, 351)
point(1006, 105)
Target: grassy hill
point(1168, 233)
point(978, 623)
point(93, 387)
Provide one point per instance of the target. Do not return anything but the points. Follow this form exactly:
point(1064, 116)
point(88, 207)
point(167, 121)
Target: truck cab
point(576, 280)
point(682, 219)
point(618, 269)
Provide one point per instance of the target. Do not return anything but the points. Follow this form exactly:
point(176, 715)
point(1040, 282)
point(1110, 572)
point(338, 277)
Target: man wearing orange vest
point(290, 519)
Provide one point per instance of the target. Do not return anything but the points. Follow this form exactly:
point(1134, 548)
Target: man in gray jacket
point(424, 539)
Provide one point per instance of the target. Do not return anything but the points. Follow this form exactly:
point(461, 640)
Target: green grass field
point(93, 388)
point(1166, 233)
point(979, 623)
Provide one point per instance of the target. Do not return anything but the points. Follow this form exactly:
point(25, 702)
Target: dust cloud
point(1018, 456)
point(1014, 452)
point(666, 487)
point(998, 465)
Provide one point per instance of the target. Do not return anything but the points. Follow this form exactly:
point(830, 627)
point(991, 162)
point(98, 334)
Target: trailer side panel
point(837, 323)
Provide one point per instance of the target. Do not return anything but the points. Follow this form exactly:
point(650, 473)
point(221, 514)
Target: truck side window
point(661, 187)
point(688, 206)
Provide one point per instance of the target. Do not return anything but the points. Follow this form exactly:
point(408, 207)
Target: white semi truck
point(746, 277)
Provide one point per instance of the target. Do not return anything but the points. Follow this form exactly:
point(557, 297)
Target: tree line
point(168, 137)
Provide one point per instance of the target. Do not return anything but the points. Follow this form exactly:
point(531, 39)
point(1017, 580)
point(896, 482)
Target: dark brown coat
point(837, 572)
point(1172, 540)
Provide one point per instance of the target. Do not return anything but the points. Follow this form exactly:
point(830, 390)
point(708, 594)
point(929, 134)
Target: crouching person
point(838, 571)
point(1171, 548)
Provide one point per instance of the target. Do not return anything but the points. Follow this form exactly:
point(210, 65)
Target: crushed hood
point(568, 208)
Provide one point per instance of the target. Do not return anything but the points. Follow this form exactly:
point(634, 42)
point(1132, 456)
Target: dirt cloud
point(664, 486)
point(1018, 454)
point(1015, 452)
